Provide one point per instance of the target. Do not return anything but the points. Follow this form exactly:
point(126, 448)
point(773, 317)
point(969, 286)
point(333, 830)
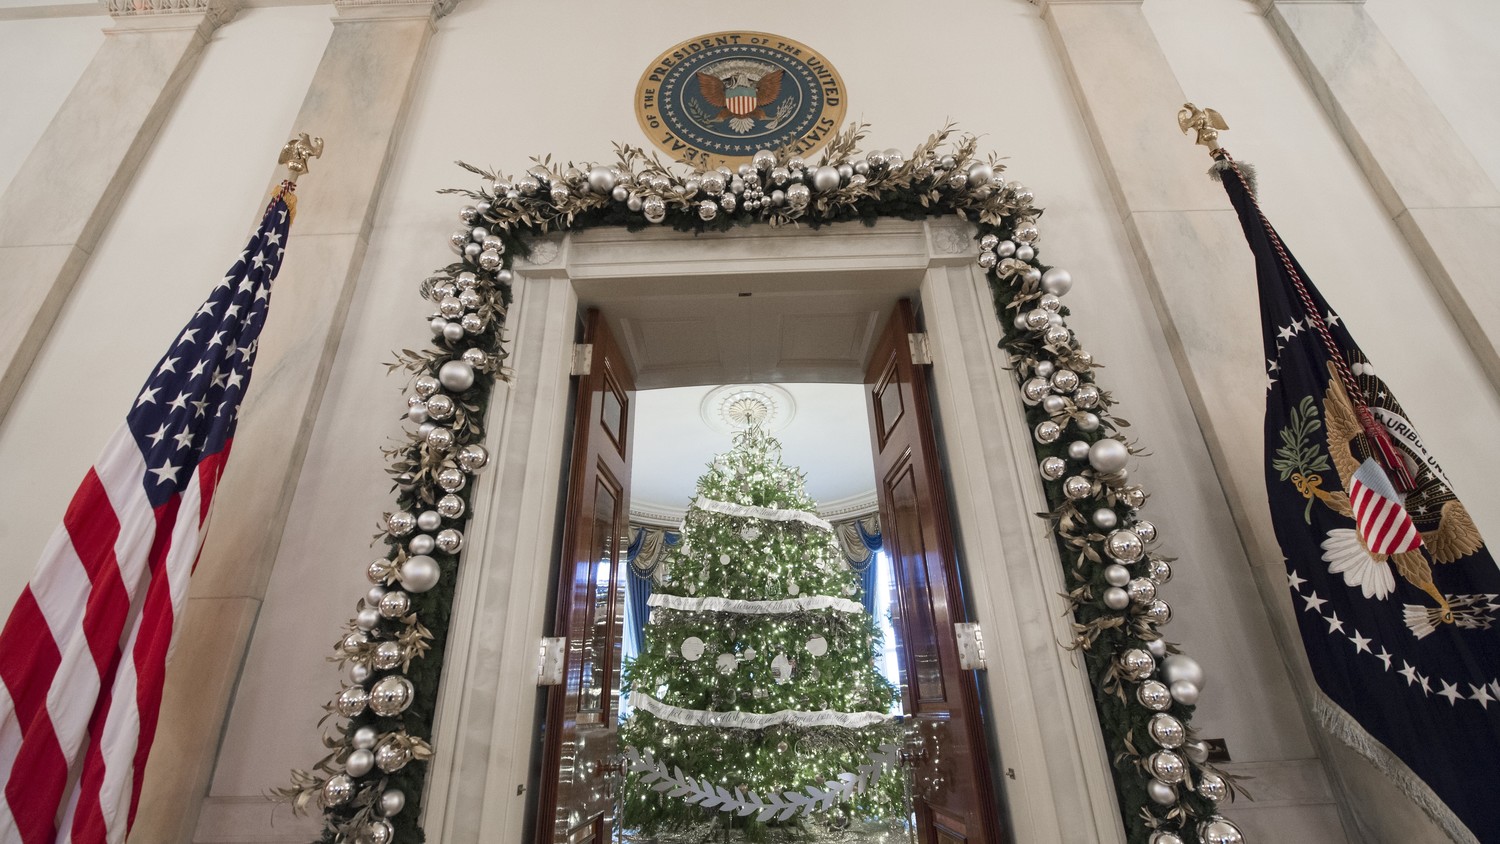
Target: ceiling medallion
point(735, 407)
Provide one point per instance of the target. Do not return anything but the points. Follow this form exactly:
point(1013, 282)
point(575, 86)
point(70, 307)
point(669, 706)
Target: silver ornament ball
point(367, 619)
point(1136, 663)
point(440, 439)
point(1047, 431)
point(1057, 281)
point(450, 541)
point(473, 457)
point(1212, 786)
point(337, 790)
point(456, 375)
point(395, 604)
point(352, 701)
point(454, 331)
point(1182, 667)
point(364, 738)
point(1145, 530)
point(1035, 389)
point(1184, 692)
point(359, 763)
point(1109, 455)
point(1116, 574)
point(391, 695)
point(1124, 545)
point(1196, 751)
point(429, 520)
point(451, 506)
point(1078, 450)
point(1086, 396)
point(1220, 831)
point(1057, 336)
point(400, 523)
point(476, 358)
point(451, 479)
point(1077, 487)
point(1065, 380)
point(1161, 793)
point(387, 656)
point(1153, 695)
point(1165, 837)
point(1086, 422)
point(825, 179)
point(420, 573)
point(1157, 612)
point(1044, 368)
point(379, 832)
point(392, 757)
point(373, 596)
point(1167, 766)
point(1159, 570)
point(1141, 590)
point(1105, 519)
point(392, 802)
point(1158, 648)
point(1166, 730)
point(1116, 598)
point(1052, 468)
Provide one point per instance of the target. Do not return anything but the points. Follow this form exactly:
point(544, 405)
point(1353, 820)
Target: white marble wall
point(505, 80)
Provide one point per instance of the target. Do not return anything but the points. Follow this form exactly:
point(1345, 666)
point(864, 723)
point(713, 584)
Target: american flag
point(83, 654)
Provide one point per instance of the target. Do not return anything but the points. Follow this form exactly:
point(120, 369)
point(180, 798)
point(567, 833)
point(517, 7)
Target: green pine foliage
point(755, 559)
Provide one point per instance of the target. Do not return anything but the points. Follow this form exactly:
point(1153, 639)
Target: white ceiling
point(828, 438)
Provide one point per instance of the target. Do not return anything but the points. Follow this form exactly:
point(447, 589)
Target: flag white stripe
point(10, 745)
point(121, 735)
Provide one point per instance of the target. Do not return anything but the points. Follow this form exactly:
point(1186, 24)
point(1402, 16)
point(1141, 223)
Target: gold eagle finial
point(1206, 121)
point(296, 152)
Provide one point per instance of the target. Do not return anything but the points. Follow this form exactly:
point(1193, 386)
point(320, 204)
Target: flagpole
point(1207, 123)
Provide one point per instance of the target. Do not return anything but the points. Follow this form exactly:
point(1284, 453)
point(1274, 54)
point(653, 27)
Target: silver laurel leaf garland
point(783, 806)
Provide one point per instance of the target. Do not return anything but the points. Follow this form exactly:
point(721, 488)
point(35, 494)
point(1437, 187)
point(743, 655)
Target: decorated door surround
point(1044, 723)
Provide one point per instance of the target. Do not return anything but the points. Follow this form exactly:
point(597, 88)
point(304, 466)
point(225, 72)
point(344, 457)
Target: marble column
point(57, 206)
point(1182, 231)
point(1429, 182)
point(357, 101)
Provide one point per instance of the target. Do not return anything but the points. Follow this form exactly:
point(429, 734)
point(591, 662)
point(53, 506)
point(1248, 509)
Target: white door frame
point(1056, 784)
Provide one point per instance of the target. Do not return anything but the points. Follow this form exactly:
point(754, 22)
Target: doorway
point(943, 746)
point(1057, 784)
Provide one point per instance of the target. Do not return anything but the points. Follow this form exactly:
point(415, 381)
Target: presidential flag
point(84, 652)
point(1395, 592)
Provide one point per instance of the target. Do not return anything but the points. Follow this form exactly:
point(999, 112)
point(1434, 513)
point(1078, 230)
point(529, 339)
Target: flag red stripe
point(36, 783)
point(93, 529)
point(1384, 521)
point(28, 658)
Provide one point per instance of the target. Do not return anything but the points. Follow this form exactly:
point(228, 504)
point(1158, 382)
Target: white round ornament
point(692, 649)
point(817, 646)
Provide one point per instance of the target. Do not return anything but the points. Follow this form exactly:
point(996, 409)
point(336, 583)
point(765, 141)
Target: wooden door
point(580, 744)
point(953, 795)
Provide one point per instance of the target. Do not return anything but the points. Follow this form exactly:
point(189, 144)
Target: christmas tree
point(757, 679)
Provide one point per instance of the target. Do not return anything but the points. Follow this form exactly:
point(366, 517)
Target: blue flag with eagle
point(1396, 595)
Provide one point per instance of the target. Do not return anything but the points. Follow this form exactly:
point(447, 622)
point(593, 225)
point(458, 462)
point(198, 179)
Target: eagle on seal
point(1450, 532)
point(741, 90)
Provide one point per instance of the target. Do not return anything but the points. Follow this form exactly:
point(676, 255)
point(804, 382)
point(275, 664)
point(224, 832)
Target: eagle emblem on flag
point(742, 90)
point(1431, 517)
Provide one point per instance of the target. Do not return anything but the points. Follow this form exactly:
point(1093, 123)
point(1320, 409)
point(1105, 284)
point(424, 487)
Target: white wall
point(1450, 46)
point(39, 62)
point(182, 223)
point(507, 80)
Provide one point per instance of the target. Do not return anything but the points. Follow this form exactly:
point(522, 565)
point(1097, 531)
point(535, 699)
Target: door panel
point(580, 740)
point(953, 794)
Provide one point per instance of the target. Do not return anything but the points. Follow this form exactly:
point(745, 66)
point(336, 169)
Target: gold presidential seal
point(717, 99)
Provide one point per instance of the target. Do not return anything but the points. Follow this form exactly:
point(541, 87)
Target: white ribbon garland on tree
point(769, 514)
point(701, 792)
point(755, 720)
point(730, 605)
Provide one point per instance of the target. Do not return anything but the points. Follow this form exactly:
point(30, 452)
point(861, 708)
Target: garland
point(780, 807)
point(781, 606)
point(770, 514)
point(1144, 689)
point(756, 720)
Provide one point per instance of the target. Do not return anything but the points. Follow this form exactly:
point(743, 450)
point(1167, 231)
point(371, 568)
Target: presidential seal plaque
point(716, 99)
